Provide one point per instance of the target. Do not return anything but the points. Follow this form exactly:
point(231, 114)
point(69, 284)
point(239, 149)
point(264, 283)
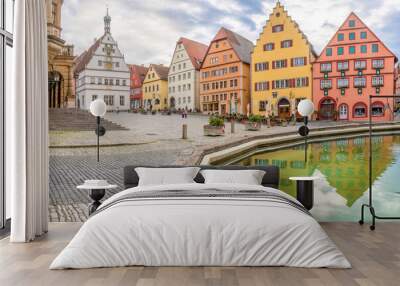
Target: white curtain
point(27, 124)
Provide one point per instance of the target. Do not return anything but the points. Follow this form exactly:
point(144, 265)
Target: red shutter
point(267, 85)
point(285, 63)
point(273, 46)
point(291, 62)
point(267, 65)
point(305, 61)
point(306, 81)
point(273, 84)
point(273, 64)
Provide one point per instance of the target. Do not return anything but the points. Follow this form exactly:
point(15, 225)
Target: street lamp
point(98, 108)
point(305, 108)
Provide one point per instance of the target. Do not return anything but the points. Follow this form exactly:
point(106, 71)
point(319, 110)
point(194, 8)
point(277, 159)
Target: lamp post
point(98, 108)
point(305, 108)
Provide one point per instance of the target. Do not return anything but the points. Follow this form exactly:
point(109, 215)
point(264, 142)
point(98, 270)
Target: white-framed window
point(99, 80)
point(124, 82)
point(264, 85)
point(378, 63)
point(377, 80)
point(94, 97)
point(122, 100)
point(343, 82)
point(326, 67)
point(360, 65)
point(360, 82)
point(286, 44)
point(326, 83)
point(263, 66)
point(92, 80)
point(299, 61)
point(109, 100)
point(342, 66)
point(189, 75)
point(269, 46)
point(188, 86)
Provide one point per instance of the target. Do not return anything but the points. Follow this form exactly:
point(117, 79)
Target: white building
point(101, 72)
point(184, 75)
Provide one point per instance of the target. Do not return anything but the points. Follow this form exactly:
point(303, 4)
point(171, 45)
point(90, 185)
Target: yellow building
point(155, 88)
point(60, 60)
point(281, 66)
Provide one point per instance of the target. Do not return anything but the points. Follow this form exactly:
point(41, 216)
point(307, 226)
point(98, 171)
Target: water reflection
point(342, 166)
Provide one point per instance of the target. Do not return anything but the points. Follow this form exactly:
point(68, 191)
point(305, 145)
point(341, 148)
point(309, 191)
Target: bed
point(201, 224)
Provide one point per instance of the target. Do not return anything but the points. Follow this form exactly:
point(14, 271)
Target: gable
point(350, 34)
point(280, 27)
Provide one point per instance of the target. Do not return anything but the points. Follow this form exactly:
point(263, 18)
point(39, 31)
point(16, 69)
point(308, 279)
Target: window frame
point(6, 41)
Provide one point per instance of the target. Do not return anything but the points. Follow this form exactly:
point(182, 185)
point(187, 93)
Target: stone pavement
point(151, 140)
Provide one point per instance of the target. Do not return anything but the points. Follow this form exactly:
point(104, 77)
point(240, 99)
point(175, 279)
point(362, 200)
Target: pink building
point(354, 65)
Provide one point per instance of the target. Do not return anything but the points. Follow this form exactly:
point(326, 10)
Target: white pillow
point(248, 177)
point(166, 176)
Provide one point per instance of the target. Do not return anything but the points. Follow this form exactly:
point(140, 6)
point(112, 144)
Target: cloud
point(147, 31)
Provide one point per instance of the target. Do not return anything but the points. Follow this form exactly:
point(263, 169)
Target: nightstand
point(305, 190)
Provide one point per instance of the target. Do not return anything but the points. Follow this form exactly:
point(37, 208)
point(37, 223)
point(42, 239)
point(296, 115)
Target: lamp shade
point(305, 107)
point(98, 107)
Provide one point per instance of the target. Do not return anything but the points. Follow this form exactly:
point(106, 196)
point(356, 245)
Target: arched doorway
point(172, 102)
point(327, 108)
point(343, 112)
point(55, 84)
point(284, 108)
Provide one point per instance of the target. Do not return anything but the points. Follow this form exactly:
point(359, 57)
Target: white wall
point(184, 98)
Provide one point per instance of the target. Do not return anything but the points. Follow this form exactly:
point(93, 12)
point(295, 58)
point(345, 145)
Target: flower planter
point(253, 126)
point(210, 130)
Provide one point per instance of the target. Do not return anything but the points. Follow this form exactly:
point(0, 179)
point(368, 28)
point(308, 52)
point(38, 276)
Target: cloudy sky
point(147, 31)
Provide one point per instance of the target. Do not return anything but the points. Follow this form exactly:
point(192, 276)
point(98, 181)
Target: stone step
point(69, 119)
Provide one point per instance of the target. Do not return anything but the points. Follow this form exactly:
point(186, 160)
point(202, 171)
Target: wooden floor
point(375, 257)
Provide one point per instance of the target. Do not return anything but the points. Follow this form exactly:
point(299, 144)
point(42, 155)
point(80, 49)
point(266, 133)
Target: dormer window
point(352, 23)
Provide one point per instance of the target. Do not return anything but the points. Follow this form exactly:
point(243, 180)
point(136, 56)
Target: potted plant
point(254, 122)
point(215, 126)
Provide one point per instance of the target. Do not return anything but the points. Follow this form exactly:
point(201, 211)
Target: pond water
point(342, 166)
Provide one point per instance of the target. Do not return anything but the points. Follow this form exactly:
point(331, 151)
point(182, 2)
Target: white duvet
point(202, 232)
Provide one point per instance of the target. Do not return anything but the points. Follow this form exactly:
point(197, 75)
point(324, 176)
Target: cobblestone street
point(151, 140)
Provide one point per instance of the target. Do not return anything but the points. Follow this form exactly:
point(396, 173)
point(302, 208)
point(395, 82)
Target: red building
point(354, 65)
point(138, 73)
